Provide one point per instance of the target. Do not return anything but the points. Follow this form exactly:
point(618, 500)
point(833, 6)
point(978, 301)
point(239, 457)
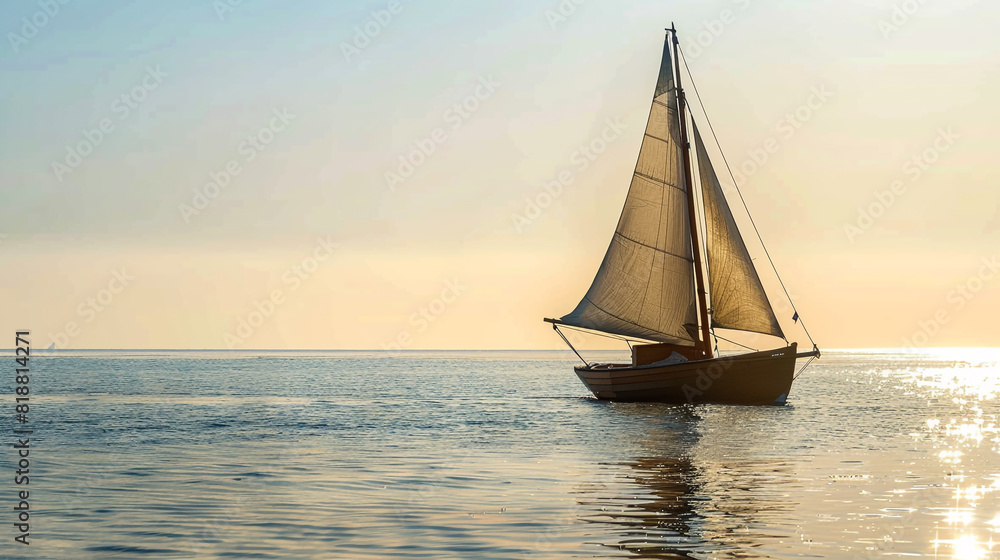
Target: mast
point(699, 274)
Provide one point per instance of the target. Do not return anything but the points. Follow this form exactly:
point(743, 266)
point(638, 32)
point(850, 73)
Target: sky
point(372, 175)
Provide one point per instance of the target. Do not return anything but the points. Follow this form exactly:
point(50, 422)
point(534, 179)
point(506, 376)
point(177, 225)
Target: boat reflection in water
point(909, 471)
point(690, 494)
point(658, 522)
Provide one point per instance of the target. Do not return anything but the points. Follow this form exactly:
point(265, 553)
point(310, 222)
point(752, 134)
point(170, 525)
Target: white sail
point(645, 287)
point(738, 298)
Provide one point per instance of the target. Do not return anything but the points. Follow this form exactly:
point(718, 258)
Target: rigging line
point(566, 340)
point(605, 335)
point(804, 368)
point(736, 343)
point(733, 177)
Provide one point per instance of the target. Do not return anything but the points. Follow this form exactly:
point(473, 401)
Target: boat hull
point(758, 378)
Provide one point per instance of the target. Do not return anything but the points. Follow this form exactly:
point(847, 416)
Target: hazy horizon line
point(416, 350)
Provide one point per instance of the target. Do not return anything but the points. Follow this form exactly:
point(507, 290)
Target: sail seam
point(602, 310)
point(657, 249)
point(655, 180)
point(664, 140)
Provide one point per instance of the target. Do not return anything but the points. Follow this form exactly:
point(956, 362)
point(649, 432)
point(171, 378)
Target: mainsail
point(738, 298)
point(645, 287)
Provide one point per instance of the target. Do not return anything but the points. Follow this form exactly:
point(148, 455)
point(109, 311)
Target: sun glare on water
point(967, 374)
point(967, 445)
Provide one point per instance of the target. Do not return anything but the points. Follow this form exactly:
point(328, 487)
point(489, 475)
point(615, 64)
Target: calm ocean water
point(469, 455)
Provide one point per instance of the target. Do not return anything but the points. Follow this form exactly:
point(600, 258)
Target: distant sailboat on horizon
point(652, 287)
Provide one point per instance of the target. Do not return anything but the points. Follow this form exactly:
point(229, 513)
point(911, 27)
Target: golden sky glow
point(864, 142)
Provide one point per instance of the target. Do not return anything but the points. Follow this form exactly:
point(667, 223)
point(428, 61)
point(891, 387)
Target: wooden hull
point(759, 378)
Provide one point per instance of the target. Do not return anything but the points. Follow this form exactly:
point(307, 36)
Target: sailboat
point(654, 288)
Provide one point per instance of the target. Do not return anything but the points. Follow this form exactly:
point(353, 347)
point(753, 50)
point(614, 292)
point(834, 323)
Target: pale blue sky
point(325, 172)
